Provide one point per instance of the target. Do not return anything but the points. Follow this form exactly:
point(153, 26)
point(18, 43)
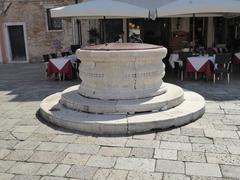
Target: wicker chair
point(222, 66)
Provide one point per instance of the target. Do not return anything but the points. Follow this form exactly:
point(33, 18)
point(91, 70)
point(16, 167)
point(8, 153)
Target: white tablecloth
point(237, 55)
point(61, 61)
point(198, 62)
point(172, 59)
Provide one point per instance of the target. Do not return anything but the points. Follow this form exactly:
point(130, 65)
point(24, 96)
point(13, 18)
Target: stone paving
point(208, 149)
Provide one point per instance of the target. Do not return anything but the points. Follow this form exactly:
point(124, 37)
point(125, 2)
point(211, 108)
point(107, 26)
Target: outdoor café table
point(61, 65)
point(236, 59)
point(200, 64)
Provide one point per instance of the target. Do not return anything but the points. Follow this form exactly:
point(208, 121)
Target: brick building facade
point(31, 17)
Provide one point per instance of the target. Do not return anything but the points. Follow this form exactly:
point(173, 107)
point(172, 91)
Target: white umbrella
point(100, 9)
point(184, 7)
point(199, 8)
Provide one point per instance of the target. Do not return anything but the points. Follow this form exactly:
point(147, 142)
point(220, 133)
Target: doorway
point(16, 42)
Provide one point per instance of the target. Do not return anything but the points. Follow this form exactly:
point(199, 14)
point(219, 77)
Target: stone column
point(2, 44)
point(125, 29)
point(210, 32)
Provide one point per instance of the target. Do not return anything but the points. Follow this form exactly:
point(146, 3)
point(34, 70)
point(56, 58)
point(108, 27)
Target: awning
point(101, 9)
point(180, 8)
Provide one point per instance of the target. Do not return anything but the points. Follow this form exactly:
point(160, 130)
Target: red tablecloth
point(206, 68)
point(66, 69)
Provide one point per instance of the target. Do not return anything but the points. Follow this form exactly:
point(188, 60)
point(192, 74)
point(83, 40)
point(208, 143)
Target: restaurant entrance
point(150, 31)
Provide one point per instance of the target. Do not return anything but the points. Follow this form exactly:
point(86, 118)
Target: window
point(53, 24)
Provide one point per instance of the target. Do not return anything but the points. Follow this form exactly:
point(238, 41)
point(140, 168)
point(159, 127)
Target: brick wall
point(39, 39)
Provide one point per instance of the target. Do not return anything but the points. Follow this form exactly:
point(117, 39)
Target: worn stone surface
point(170, 166)
point(203, 169)
point(21, 92)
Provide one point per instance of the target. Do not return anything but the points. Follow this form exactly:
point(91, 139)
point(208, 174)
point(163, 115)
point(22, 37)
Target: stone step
point(172, 98)
point(191, 109)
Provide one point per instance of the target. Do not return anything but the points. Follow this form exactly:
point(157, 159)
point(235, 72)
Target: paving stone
point(47, 157)
point(225, 127)
point(25, 129)
point(208, 178)
point(119, 142)
point(200, 140)
point(117, 175)
point(133, 175)
point(82, 148)
point(209, 148)
point(223, 159)
point(148, 136)
point(4, 153)
point(170, 166)
point(234, 149)
point(101, 161)
point(176, 146)
point(173, 138)
point(221, 134)
point(227, 142)
point(135, 164)
point(83, 172)
point(203, 169)
point(20, 135)
point(41, 137)
point(191, 156)
point(61, 170)
point(26, 177)
point(25, 168)
point(77, 159)
point(53, 178)
point(27, 145)
point(230, 171)
point(114, 151)
point(5, 165)
point(173, 131)
point(5, 176)
point(102, 174)
point(7, 144)
point(192, 132)
point(50, 146)
point(168, 176)
point(46, 169)
point(142, 152)
point(165, 154)
point(19, 155)
point(65, 138)
point(85, 140)
point(143, 143)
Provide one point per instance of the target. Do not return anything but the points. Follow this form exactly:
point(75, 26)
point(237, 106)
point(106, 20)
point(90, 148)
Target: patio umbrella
point(200, 8)
point(101, 9)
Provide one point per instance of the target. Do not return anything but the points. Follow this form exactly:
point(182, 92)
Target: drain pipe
point(79, 31)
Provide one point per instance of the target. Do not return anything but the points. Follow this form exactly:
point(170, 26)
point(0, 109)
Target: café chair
point(67, 53)
point(183, 56)
point(53, 55)
point(222, 66)
point(74, 48)
point(46, 60)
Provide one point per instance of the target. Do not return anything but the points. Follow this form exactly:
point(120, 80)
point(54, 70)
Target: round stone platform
point(189, 110)
point(73, 100)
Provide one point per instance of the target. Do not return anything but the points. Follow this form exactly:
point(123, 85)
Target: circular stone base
point(192, 108)
point(73, 100)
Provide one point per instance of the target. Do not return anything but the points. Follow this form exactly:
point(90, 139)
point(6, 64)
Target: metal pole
point(193, 35)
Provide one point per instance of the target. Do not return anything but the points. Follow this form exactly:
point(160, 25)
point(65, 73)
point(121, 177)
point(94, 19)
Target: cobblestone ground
point(208, 149)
